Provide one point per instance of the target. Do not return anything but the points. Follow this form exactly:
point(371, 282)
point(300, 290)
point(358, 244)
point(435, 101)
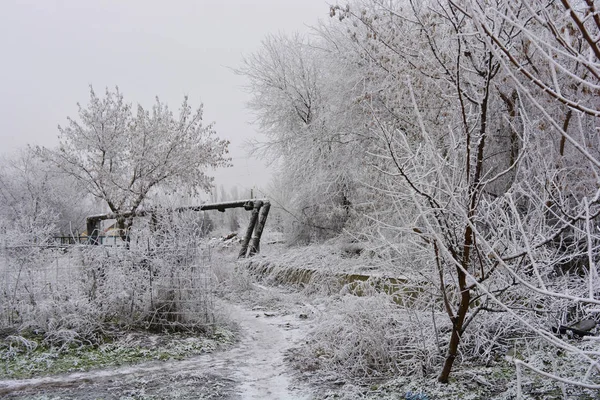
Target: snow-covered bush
point(79, 295)
point(362, 339)
point(372, 337)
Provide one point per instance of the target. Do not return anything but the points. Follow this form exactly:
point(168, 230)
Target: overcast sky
point(51, 51)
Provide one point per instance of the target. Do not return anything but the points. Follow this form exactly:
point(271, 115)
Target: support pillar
point(258, 230)
point(250, 229)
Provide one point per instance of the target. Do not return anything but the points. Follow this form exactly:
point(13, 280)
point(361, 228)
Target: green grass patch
point(26, 358)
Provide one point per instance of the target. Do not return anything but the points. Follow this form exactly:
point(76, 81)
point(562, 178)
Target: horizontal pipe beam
point(248, 205)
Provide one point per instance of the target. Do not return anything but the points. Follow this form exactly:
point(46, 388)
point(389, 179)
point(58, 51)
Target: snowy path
point(253, 369)
point(259, 360)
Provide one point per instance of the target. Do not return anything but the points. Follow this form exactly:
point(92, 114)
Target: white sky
point(51, 51)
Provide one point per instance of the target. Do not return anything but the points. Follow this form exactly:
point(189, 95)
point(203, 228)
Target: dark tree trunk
point(463, 308)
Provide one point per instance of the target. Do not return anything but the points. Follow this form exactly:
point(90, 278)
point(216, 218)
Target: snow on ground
point(258, 361)
point(252, 369)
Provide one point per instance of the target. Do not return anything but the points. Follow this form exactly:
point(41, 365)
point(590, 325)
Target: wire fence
point(79, 291)
point(106, 240)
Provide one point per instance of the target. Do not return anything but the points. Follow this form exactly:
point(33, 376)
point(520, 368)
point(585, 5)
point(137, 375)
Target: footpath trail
point(253, 368)
point(258, 362)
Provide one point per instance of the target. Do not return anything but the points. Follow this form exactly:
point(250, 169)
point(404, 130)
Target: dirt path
point(252, 369)
point(259, 359)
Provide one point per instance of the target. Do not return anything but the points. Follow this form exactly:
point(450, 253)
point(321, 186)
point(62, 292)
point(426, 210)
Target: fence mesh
point(79, 291)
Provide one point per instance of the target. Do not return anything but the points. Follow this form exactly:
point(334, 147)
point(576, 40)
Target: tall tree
point(501, 202)
point(311, 117)
point(120, 157)
point(37, 201)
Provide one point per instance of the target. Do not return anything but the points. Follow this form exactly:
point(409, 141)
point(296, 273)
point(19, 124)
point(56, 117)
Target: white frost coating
point(258, 360)
point(256, 363)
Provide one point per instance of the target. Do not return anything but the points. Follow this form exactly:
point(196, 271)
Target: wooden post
point(258, 230)
point(251, 225)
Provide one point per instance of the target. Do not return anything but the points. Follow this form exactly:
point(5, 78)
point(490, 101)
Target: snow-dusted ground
point(257, 362)
point(252, 369)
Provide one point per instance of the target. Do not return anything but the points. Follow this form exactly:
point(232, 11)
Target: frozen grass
point(368, 339)
point(334, 256)
point(367, 344)
point(370, 347)
point(81, 308)
point(78, 296)
point(28, 357)
point(68, 309)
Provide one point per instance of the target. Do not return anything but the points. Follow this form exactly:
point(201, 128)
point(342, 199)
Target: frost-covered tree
point(121, 157)
point(27, 214)
point(435, 117)
point(312, 116)
point(493, 146)
point(38, 201)
point(552, 59)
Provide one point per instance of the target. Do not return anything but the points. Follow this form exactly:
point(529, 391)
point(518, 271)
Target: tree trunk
point(463, 307)
point(124, 225)
point(457, 327)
